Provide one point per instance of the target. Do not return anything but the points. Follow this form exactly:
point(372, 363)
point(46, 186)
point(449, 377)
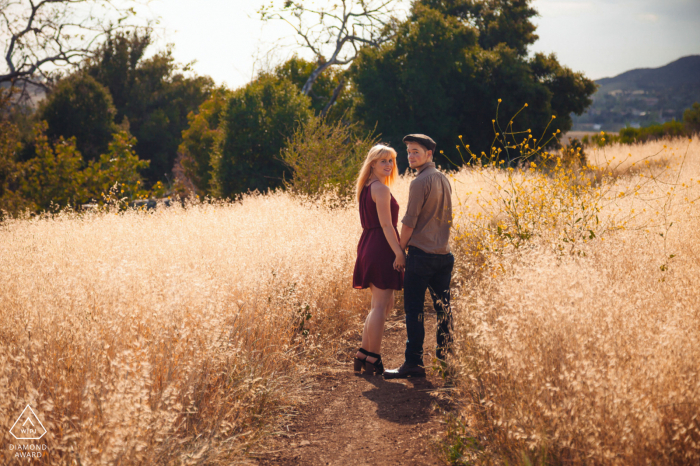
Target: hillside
point(643, 96)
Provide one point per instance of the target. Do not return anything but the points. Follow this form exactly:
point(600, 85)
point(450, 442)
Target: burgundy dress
point(375, 258)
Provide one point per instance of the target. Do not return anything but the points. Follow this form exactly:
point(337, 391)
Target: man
point(425, 230)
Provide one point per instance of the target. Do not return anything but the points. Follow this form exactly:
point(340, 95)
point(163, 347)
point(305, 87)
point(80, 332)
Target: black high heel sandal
point(360, 363)
point(376, 367)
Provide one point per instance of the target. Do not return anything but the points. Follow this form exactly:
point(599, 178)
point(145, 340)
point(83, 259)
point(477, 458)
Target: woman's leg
point(382, 303)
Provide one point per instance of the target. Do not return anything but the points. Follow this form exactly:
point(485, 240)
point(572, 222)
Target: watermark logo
point(28, 426)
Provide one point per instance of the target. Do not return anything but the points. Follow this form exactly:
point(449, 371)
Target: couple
point(384, 266)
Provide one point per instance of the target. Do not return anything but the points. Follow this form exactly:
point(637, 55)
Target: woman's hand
point(400, 262)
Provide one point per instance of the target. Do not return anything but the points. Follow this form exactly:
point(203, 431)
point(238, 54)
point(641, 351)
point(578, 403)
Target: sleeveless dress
point(375, 258)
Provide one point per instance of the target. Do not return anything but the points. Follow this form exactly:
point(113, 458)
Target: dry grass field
point(183, 336)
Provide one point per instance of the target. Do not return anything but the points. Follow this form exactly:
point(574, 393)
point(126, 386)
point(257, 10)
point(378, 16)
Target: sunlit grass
point(186, 335)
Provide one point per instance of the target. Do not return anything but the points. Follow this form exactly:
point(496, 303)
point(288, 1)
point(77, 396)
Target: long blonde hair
point(375, 153)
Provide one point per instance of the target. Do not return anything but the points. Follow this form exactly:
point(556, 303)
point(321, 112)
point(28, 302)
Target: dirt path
point(364, 420)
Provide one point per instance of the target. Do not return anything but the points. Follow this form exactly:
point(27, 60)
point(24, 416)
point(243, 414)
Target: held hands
point(400, 262)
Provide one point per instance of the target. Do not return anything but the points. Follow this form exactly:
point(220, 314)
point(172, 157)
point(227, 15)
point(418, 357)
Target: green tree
point(691, 117)
point(297, 70)
point(498, 22)
point(438, 77)
point(201, 139)
point(81, 108)
point(256, 121)
point(155, 95)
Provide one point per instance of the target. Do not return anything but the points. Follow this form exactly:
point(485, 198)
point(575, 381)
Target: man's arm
point(406, 233)
point(416, 199)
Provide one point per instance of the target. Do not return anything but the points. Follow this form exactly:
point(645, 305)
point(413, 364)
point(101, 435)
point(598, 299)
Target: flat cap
point(422, 139)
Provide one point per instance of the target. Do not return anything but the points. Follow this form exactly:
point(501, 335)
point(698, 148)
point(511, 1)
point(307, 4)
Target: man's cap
point(422, 139)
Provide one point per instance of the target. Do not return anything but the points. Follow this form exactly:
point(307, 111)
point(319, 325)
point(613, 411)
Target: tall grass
point(185, 335)
point(586, 355)
point(175, 337)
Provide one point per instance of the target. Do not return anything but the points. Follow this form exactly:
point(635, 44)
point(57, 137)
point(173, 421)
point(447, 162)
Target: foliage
point(119, 165)
point(436, 78)
point(653, 132)
point(297, 70)
point(323, 155)
point(201, 139)
point(155, 95)
point(82, 108)
point(498, 21)
point(691, 117)
point(10, 199)
point(52, 178)
point(334, 33)
point(56, 175)
point(256, 120)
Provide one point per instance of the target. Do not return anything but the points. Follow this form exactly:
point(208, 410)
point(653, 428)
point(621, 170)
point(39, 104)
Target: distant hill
point(643, 96)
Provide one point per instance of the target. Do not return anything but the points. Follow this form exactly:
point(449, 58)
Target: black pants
point(433, 272)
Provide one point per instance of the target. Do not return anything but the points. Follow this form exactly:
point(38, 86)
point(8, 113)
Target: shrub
point(119, 165)
point(322, 155)
point(651, 133)
point(256, 121)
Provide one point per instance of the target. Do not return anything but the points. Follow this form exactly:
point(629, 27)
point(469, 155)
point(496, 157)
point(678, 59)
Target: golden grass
point(590, 358)
point(174, 336)
point(185, 335)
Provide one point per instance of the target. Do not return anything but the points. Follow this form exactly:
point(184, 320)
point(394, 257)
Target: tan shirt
point(429, 210)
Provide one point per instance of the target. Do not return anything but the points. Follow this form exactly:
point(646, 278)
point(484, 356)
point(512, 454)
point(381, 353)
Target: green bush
point(119, 165)
point(650, 133)
point(322, 155)
point(257, 120)
point(600, 139)
point(56, 175)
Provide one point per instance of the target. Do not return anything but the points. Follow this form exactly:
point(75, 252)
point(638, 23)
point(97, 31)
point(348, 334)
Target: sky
point(601, 38)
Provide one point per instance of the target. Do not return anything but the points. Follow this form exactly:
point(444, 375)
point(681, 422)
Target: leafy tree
point(333, 33)
point(504, 22)
point(297, 70)
point(691, 117)
point(155, 95)
point(201, 139)
point(256, 121)
point(82, 108)
point(436, 77)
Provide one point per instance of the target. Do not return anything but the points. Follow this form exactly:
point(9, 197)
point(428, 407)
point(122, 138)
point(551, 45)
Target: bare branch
point(336, 31)
point(40, 37)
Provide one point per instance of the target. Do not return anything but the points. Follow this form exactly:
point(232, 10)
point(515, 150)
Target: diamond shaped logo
point(28, 426)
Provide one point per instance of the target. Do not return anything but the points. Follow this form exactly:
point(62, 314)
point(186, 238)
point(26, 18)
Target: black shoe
point(405, 371)
point(376, 367)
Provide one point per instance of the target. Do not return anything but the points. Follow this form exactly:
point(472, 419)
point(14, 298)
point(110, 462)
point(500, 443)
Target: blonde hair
point(374, 154)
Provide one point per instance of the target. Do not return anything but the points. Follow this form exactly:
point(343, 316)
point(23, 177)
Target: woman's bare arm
point(382, 197)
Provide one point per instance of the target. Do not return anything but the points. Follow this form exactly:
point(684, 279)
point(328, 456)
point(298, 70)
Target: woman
point(380, 260)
